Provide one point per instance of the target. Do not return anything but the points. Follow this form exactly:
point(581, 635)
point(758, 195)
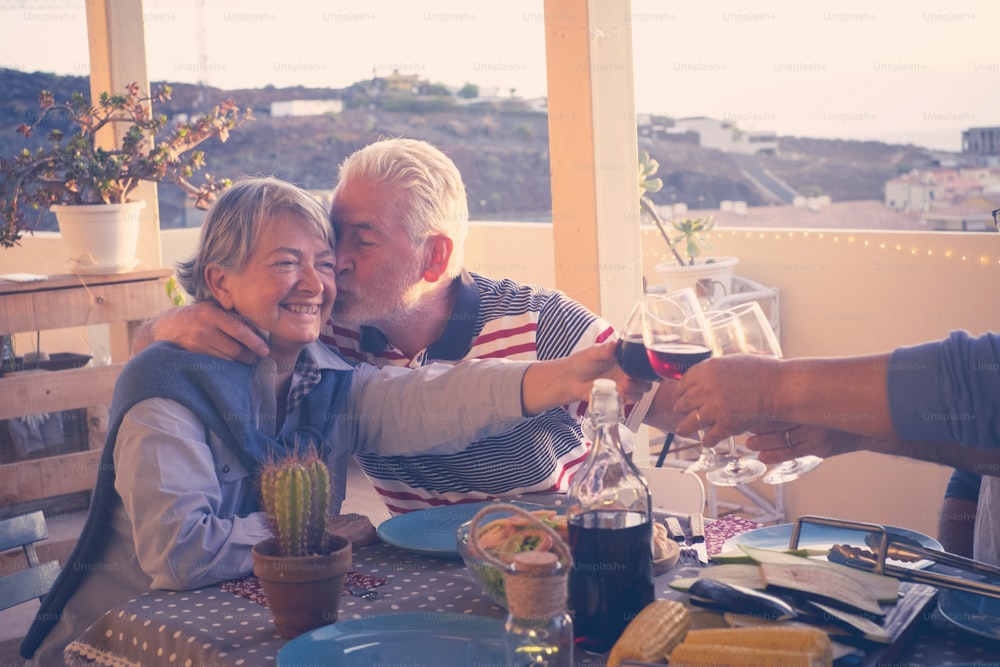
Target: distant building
point(305, 107)
point(923, 190)
point(981, 141)
point(725, 136)
point(406, 83)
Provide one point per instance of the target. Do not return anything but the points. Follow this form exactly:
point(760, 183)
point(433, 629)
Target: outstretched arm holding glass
point(945, 391)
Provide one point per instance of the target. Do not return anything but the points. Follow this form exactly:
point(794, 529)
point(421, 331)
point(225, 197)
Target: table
point(211, 626)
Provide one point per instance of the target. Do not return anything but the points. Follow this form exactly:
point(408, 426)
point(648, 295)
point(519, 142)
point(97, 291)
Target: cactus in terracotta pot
point(295, 491)
point(302, 568)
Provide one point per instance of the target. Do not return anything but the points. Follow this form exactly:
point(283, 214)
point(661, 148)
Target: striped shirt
point(491, 319)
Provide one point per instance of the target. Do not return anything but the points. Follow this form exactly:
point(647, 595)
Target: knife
point(674, 530)
point(697, 523)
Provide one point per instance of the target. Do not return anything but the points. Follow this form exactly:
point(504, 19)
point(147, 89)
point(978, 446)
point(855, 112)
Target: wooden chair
point(34, 581)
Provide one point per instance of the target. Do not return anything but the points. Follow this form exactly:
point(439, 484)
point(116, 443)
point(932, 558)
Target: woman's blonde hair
point(234, 224)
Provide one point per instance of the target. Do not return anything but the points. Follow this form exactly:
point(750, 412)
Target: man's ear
point(439, 249)
point(217, 280)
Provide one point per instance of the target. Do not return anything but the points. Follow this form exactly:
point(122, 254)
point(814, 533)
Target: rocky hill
point(501, 148)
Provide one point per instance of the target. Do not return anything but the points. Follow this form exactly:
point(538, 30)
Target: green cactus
point(295, 491)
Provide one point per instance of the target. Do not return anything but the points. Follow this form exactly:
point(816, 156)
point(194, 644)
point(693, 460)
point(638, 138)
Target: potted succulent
point(710, 277)
point(303, 567)
point(72, 175)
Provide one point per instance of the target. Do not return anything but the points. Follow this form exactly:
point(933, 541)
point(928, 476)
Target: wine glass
point(735, 469)
point(761, 339)
point(677, 338)
point(630, 351)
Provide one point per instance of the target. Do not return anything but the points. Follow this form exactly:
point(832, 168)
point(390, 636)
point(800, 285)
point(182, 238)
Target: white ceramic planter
point(100, 238)
point(709, 277)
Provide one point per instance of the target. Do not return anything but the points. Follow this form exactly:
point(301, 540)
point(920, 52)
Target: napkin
point(250, 587)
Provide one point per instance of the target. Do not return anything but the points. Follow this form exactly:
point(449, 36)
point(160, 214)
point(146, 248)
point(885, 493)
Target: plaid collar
point(309, 376)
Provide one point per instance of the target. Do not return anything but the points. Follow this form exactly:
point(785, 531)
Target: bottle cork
point(536, 588)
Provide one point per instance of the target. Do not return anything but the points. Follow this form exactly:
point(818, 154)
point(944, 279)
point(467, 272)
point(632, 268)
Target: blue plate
point(977, 614)
point(431, 532)
point(817, 537)
point(435, 640)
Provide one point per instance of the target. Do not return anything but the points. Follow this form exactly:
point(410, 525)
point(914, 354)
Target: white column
point(117, 43)
point(593, 155)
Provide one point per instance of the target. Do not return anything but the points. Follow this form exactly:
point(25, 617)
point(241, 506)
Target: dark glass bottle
point(610, 532)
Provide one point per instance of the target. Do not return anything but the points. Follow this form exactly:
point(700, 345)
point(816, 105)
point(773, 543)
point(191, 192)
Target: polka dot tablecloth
point(216, 627)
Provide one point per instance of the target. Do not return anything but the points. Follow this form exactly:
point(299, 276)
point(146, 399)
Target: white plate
point(821, 538)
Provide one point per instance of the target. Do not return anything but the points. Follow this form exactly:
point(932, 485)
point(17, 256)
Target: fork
point(689, 557)
point(362, 592)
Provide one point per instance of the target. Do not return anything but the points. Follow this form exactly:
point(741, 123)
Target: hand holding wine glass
point(728, 338)
point(675, 340)
point(761, 339)
point(630, 351)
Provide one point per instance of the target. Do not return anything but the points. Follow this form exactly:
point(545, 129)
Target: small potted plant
point(72, 174)
point(303, 567)
point(710, 277)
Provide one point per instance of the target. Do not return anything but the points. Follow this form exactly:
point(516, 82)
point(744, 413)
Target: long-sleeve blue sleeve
point(947, 390)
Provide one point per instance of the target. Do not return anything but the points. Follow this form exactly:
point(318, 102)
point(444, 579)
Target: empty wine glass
point(735, 469)
point(761, 339)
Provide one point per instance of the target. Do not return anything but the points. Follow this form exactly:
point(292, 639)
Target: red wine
point(632, 358)
point(671, 360)
point(612, 576)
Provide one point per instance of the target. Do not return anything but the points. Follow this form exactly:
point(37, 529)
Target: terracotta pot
point(302, 592)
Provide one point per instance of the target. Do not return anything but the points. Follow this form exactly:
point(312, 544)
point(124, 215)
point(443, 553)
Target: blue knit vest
point(215, 390)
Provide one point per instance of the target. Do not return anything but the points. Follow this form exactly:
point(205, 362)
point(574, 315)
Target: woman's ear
point(216, 278)
point(439, 249)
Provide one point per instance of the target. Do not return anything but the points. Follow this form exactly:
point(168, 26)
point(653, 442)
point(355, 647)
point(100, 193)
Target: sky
point(915, 71)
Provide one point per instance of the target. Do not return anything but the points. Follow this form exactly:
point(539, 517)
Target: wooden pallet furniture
point(122, 301)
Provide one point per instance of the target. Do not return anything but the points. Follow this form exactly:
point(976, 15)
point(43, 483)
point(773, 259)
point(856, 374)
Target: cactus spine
point(295, 491)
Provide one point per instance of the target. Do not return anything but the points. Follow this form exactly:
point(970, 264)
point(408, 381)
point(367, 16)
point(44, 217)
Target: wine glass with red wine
point(675, 340)
point(630, 351)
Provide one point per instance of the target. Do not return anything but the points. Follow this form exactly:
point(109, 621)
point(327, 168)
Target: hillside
point(501, 149)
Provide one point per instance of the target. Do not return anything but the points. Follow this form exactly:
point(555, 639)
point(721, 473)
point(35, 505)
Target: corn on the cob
point(707, 655)
point(797, 639)
point(649, 636)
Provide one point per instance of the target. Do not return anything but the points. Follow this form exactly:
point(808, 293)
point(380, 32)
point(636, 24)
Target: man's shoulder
point(498, 291)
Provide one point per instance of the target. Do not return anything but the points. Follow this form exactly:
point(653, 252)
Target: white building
point(305, 107)
point(725, 136)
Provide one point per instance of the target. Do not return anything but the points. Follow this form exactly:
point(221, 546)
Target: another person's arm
point(439, 408)
point(941, 391)
point(732, 394)
point(204, 328)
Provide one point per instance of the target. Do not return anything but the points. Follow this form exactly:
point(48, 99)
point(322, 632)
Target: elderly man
point(404, 299)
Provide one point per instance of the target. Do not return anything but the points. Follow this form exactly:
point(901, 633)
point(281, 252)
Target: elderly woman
point(176, 505)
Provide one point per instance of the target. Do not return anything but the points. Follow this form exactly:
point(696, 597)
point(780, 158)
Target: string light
point(881, 246)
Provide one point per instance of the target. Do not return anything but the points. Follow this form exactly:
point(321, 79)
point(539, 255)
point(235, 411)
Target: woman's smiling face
point(287, 287)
